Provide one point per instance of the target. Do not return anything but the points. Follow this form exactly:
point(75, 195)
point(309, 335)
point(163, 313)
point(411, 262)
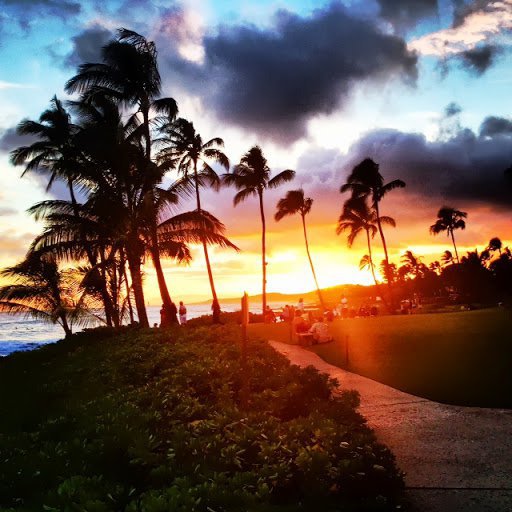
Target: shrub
point(151, 421)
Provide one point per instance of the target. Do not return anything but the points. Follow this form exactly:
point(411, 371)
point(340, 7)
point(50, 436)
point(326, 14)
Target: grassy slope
point(149, 421)
point(462, 358)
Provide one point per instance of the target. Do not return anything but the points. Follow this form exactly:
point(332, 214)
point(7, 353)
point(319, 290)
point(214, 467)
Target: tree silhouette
point(183, 149)
point(449, 219)
point(251, 177)
point(294, 202)
point(41, 290)
point(365, 181)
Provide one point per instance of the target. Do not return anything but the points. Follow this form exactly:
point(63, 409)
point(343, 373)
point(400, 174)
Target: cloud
point(492, 126)
point(272, 81)
point(4, 212)
point(404, 14)
point(475, 36)
point(465, 169)
point(10, 139)
point(24, 11)
point(480, 59)
point(87, 46)
point(452, 109)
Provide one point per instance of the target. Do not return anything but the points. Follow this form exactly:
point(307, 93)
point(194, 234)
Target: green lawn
point(460, 358)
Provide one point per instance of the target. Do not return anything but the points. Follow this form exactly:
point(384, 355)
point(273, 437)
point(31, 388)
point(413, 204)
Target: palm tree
point(366, 181)
point(41, 290)
point(449, 219)
point(495, 244)
point(294, 202)
point(251, 177)
point(447, 258)
point(357, 217)
point(53, 152)
point(413, 263)
point(129, 76)
point(184, 149)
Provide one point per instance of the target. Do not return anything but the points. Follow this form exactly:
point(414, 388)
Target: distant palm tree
point(183, 149)
point(294, 202)
point(365, 181)
point(447, 258)
point(251, 177)
point(413, 263)
point(495, 244)
point(41, 290)
point(449, 219)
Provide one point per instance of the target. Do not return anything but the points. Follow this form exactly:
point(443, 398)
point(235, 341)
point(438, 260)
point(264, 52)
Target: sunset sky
point(421, 86)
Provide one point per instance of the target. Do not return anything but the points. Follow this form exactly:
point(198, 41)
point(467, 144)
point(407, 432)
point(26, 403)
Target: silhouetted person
point(164, 317)
point(173, 314)
point(216, 311)
point(183, 313)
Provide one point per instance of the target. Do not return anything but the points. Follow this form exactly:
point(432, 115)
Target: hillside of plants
point(152, 421)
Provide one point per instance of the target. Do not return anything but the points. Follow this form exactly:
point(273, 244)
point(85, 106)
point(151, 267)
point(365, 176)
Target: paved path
point(454, 458)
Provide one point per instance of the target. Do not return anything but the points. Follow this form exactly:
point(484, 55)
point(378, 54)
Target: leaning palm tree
point(251, 177)
point(41, 290)
point(183, 150)
point(294, 202)
point(449, 219)
point(365, 181)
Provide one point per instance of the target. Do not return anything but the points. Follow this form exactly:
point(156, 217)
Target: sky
point(421, 86)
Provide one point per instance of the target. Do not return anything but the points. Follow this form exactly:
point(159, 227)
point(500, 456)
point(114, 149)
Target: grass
point(462, 358)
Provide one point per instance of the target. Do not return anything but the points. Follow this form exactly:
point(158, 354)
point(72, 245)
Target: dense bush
point(231, 317)
point(150, 421)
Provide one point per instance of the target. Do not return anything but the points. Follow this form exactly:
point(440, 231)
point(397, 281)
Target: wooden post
point(244, 391)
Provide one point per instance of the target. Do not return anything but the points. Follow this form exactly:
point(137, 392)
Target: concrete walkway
point(454, 458)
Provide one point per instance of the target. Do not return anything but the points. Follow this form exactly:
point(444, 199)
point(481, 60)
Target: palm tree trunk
point(138, 292)
point(371, 257)
point(454, 246)
point(386, 257)
point(65, 325)
point(322, 303)
point(128, 292)
point(205, 246)
point(162, 285)
point(263, 259)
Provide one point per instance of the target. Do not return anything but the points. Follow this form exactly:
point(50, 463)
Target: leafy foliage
point(150, 421)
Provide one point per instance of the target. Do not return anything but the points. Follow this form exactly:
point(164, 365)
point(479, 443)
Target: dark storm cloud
point(480, 59)
point(10, 139)
point(404, 14)
point(452, 109)
point(274, 81)
point(23, 11)
point(492, 126)
point(87, 46)
point(466, 168)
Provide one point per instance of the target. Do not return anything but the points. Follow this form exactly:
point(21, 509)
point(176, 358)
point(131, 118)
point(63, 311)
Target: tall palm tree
point(449, 219)
point(184, 149)
point(129, 76)
point(41, 290)
point(251, 177)
point(366, 181)
point(294, 202)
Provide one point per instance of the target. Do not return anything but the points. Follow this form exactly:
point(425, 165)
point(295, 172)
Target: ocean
point(21, 332)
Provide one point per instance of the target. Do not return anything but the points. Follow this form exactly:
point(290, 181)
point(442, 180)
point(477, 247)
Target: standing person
point(300, 306)
point(164, 321)
point(183, 313)
point(216, 311)
point(286, 313)
point(344, 307)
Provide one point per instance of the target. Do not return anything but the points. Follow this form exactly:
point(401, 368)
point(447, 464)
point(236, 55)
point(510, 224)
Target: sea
point(21, 332)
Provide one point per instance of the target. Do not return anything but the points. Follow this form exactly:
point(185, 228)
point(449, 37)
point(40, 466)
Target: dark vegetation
point(150, 420)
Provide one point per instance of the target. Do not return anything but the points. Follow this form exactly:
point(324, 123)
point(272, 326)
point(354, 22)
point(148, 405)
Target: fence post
point(244, 391)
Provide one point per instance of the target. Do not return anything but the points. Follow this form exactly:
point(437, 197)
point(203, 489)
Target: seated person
point(320, 331)
point(300, 324)
point(270, 316)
